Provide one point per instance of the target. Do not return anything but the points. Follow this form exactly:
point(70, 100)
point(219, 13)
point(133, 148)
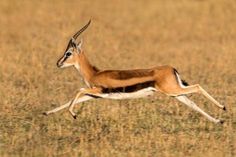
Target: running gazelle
point(126, 84)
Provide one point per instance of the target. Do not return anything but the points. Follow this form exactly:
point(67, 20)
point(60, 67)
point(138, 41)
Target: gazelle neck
point(86, 69)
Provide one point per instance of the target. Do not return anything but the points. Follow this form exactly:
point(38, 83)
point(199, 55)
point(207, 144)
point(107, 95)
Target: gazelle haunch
point(126, 84)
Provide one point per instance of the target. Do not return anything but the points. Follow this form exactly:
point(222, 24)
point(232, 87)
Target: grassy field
point(198, 37)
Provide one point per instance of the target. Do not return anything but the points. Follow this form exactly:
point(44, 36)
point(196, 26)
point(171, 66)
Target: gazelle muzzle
point(61, 61)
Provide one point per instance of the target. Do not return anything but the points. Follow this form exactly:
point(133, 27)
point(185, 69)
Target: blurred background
point(197, 37)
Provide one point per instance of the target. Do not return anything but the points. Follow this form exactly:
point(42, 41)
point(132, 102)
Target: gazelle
point(126, 84)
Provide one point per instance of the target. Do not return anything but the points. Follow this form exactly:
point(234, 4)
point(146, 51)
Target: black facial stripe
point(65, 58)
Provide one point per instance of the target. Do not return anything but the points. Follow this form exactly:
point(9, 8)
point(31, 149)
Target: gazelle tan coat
point(126, 84)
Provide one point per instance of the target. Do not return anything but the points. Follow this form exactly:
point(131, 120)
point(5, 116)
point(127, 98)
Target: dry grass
point(196, 36)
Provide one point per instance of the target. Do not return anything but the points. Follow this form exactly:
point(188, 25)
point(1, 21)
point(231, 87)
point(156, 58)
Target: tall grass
point(195, 36)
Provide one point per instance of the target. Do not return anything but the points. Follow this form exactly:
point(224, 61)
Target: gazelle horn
point(81, 30)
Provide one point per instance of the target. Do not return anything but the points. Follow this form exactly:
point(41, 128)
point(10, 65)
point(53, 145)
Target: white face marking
point(62, 62)
point(70, 50)
point(65, 65)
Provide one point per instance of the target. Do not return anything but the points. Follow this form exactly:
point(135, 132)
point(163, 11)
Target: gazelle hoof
point(74, 116)
point(221, 121)
point(45, 113)
point(224, 108)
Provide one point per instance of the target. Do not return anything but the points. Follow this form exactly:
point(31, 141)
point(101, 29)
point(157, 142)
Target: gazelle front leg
point(82, 99)
point(82, 93)
point(57, 109)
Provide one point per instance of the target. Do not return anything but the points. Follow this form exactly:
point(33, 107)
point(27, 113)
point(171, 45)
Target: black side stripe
point(129, 89)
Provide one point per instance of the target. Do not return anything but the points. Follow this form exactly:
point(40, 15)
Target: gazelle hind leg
point(192, 105)
point(198, 89)
point(195, 88)
point(211, 98)
point(82, 99)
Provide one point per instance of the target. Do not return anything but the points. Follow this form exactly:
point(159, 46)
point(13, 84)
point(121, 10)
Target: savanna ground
point(195, 36)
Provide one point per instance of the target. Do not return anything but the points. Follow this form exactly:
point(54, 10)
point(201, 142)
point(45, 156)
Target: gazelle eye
point(68, 54)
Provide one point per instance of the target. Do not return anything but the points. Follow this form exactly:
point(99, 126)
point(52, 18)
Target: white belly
point(138, 94)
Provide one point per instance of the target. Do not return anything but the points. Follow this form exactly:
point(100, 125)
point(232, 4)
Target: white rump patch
point(179, 80)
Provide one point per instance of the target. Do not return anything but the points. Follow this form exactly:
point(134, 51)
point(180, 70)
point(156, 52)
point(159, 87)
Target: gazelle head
point(72, 51)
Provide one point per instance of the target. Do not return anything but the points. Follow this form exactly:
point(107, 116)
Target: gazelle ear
point(79, 45)
point(73, 43)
